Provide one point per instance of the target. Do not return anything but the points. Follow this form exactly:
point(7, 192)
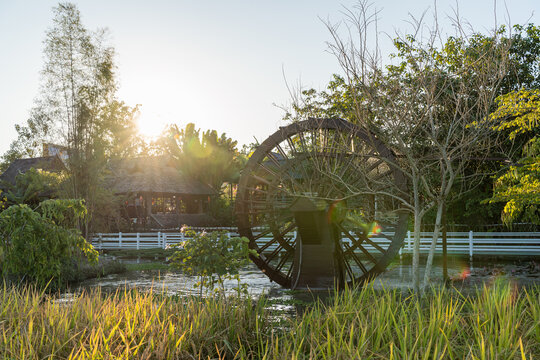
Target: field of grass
point(498, 322)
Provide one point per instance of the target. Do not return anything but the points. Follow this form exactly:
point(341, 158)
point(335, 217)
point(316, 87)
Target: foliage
point(77, 106)
point(214, 257)
point(344, 98)
point(205, 156)
point(525, 58)
point(518, 114)
point(495, 322)
point(222, 209)
point(3, 200)
point(33, 186)
point(39, 245)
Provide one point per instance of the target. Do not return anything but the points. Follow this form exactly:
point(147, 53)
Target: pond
point(464, 277)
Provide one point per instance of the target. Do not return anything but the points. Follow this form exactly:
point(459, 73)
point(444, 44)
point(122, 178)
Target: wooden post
point(164, 240)
point(138, 240)
point(409, 242)
point(100, 243)
point(159, 238)
point(120, 240)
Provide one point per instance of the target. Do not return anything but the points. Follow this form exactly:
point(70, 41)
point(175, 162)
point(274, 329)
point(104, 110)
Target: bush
point(40, 246)
point(214, 257)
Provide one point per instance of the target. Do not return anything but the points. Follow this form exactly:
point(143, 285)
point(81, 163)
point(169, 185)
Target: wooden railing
point(462, 243)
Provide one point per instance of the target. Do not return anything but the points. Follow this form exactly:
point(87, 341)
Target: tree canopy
point(204, 156)
point(518, 114)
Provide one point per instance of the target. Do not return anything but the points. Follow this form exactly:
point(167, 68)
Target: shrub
point(214, 257)
point(40, 245)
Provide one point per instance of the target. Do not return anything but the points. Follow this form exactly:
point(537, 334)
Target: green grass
point(144, 253)
point(498, 322)
point(147, 266)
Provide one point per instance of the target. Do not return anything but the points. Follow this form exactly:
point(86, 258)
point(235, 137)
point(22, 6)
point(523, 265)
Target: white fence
point(461, 243)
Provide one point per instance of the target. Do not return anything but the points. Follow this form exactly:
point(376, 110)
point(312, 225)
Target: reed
point(497, 322)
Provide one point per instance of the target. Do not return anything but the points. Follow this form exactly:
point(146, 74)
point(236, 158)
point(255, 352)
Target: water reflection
point(397, 276)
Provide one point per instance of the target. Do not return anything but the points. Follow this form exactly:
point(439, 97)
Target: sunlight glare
point(150, 126)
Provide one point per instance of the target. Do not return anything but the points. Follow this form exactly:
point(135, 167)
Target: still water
point(465, 276)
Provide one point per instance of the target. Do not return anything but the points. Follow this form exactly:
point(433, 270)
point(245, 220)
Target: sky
point(222, 65)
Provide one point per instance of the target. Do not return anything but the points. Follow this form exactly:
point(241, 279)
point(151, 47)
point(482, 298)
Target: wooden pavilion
point(158, 195)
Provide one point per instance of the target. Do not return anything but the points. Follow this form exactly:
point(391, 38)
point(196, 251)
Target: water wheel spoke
point(368, 255)
point(274, 253)
point(260, 235)
point(261, 179)
point(290, 269)
point(282, 241)
point(267, 245)
point(356, 243)
point(374, 244)
point(274, 174)
point(356, 259)
point(348, 268)
point(282, 152)
point(283, 261)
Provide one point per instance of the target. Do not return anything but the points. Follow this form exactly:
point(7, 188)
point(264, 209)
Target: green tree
point(518, 113)
point(40, 245)
point(33, 187)
point(77, 106)
point(204, 156)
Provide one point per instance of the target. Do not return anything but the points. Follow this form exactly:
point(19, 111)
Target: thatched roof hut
point(155, 174)
point(20, 166)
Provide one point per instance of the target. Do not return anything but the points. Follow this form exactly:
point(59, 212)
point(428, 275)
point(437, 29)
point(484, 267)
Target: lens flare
point(375, 229)
point(462, 275)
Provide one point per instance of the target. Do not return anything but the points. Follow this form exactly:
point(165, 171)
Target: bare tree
point(428, 108)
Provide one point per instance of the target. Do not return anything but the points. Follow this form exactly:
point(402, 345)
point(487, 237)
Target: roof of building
point(20, 166)
point(155, 174)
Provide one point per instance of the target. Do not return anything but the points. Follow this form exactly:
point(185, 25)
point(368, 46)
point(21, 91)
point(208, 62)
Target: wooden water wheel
point(320, 201)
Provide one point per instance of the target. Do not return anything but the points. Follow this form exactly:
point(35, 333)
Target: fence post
point(159, 238)
point(182, 237)
point(138, 240)
point(229, 235)
point(471, 247)
point(409, 245)
point(120, 240)
point(100, 241)
point(164, 240)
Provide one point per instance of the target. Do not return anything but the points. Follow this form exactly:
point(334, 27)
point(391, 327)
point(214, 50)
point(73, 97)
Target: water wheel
point(320, 201)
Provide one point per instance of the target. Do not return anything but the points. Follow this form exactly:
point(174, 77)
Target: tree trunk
point(416, 251)
point(433, 246)
point(417, 227)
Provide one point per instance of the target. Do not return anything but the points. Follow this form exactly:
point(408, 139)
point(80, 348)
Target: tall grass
point(498, 322)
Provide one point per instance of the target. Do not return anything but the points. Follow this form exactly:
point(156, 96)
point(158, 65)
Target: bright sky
point(215, 63)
